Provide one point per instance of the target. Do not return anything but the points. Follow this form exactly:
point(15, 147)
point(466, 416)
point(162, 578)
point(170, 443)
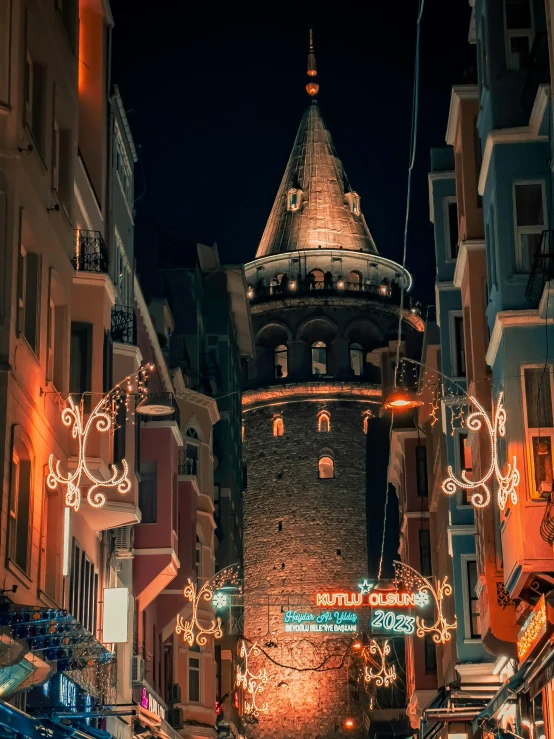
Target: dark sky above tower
point(214, 93)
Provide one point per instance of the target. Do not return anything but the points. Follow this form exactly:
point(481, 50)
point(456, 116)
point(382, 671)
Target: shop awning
point(502, 696)
point(13, 721)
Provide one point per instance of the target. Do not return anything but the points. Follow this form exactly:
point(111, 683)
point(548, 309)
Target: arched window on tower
point(354, 280)
point(324, 422)
point(365, 420)
point(280, 361)
point(316, 279)
point(357, 359)
point(326, 468)
point(278, 426)
point(294, 199)
point(319, 358)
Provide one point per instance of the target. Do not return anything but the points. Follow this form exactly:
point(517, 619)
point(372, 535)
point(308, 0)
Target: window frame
point(281, 349)
point(314, 346)
point(150, 475)
point(277, 425)
point(197, 656)
point(417, 463)
point(521, 230)
point(510, 33)
point(453, 315)
point(297, 194)
point(536, 432)
point(355, 349)
point(322, 417)
point(322, 456)
point(463, 495)
point(421, 548)
point(448, 200)
point(14, 526)
point(468, 598)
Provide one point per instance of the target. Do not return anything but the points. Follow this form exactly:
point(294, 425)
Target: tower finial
point(312, 88)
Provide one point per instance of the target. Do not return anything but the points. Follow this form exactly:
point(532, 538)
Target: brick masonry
point(301, 535)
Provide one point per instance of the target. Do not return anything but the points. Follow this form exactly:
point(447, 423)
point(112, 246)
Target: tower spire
point(312, 88)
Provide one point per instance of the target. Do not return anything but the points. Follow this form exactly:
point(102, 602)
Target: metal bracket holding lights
point(384, 676)
point(191, 629)
point(507, 483)
point(252, 683)
point(103, 419)
point(412, 579)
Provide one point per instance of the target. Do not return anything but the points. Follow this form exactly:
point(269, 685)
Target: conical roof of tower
point(325, 218)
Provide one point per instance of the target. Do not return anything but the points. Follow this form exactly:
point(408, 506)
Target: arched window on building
point(317, 277)
point(319, 358)
point(324, 422)
point(365, 420)
point(357, 359)
point(280, 361)
point(354, 280)
point(278, 426)
point(326, 468)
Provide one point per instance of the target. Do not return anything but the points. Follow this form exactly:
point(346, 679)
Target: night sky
point(214, 95)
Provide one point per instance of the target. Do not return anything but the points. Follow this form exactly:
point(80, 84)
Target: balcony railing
point(124, 325)
point(385, 290)
point(188, 464)
point(90, 252)
point(542, 270)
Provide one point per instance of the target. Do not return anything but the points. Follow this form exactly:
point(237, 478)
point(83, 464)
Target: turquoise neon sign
point(328, 621)
point(392, 622)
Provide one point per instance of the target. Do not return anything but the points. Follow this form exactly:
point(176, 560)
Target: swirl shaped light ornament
point(102, 419)
point(191, 628)
point(252, 683)
point(440, 628)
point(481, 488)
point(385, 675)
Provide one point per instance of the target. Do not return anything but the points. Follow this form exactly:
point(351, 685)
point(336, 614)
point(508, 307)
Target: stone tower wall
point(303, 534)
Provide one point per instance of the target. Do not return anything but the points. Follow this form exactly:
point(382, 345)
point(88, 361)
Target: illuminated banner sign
point(328, 621)
point(390, 622)
point(382, 598)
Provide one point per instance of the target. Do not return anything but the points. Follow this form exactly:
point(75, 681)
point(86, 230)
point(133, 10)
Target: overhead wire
point(413, 143)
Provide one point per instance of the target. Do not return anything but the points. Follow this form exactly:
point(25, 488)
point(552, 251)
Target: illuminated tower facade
point(325, 312)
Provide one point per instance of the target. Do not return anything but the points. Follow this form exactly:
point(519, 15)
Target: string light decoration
point(507, 483)
point(384, 676)
point(252, 683)
point(413, 580)
point(103, 419)
point(191, 629)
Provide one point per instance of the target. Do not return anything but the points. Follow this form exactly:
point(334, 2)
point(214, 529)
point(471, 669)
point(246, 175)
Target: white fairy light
point(191, 629)
point(101, 419)
point(384, 676)
point(507, 483)
point(440, 628)
point(252, 683)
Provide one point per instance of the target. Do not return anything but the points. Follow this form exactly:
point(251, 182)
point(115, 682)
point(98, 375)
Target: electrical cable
point(413, 142)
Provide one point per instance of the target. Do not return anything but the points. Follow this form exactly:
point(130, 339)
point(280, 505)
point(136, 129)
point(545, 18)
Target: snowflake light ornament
point(421, 599)
point(219, 600)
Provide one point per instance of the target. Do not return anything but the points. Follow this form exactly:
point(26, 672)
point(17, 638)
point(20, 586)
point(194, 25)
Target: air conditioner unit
point(138, 669)
point(174, 693)
point(124, 542)
point(175, 716)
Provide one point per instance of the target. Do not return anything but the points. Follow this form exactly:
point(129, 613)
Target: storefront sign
point(150, 703)
point(328, 621)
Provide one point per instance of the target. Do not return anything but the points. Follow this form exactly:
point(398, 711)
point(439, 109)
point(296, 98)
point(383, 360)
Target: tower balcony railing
point(384, 291)
point(370, 376)
point(542, 270)
point(90, 253)
point(124, 325)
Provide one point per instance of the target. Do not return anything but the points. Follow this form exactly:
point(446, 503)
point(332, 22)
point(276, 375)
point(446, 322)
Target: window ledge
point(17, 572)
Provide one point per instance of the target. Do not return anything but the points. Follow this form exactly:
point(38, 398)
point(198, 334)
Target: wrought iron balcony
point(188, 464)
point(124, 325)
point(542, 270)
point(90, 252)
